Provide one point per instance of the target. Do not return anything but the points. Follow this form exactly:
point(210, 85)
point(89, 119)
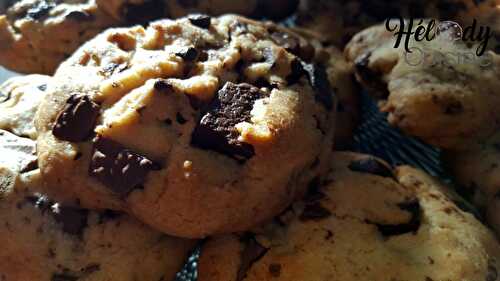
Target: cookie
point(18, 154)
point(47, 240)
point(339, 20)
point(19, 100)
point(477, 172)
point(447, 102)
point(181, 8)
point(37, 35)
point(341, 76)
point(363, 224)
point(187, 123)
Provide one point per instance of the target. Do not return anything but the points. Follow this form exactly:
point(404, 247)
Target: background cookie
point(48, 241)
point(203, 108)
point(37, 35)
point(18, 154)
point(339, 20)
point(362, 225)
point(19, 100)
point(477, 171)
point(445, 102)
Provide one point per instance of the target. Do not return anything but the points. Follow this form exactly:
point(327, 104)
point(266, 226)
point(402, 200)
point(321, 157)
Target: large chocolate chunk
point(253, 252)
point(76, 121)
point(188, 54)
point(372, 166)
point(412, 226)
point(199, 20)
point(216, 129)
point(323, 92)
point(118, 168)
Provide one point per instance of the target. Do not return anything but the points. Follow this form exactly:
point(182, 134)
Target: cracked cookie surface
point(201, 110)
point(361, 224)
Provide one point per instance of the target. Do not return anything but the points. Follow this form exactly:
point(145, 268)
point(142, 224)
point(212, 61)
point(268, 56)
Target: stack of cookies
point(140, 131)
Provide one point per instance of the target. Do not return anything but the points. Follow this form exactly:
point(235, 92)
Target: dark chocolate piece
point(188, 54)
point(216, 129)
point(412, 226)
point(76, 121)
point(199, 20)
point(80, 16)
point(323, 92)
point(119, 169)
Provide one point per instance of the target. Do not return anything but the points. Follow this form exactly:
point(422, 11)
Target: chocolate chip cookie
point(339, 20)
point(197, 126)
point(440, 91)
point(19, 100)
point(37, 35)
point(47, 241)
point(477, 171)
point(18, 154)
point(341, 76)
point(366, 222)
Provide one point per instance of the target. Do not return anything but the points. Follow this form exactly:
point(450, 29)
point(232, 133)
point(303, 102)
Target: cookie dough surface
point(47, 241)
point(37, 35)
point(198, 114)
point(477, 171)
point(19, 101)
point(367, 222)
point(450, 103)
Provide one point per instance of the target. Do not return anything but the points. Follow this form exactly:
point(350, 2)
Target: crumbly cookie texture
point(197, 126)
point(19, 101)
point(37, 35)
point(477, 171)
point(47, 241)
point(447, 102)
point(368, 222)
